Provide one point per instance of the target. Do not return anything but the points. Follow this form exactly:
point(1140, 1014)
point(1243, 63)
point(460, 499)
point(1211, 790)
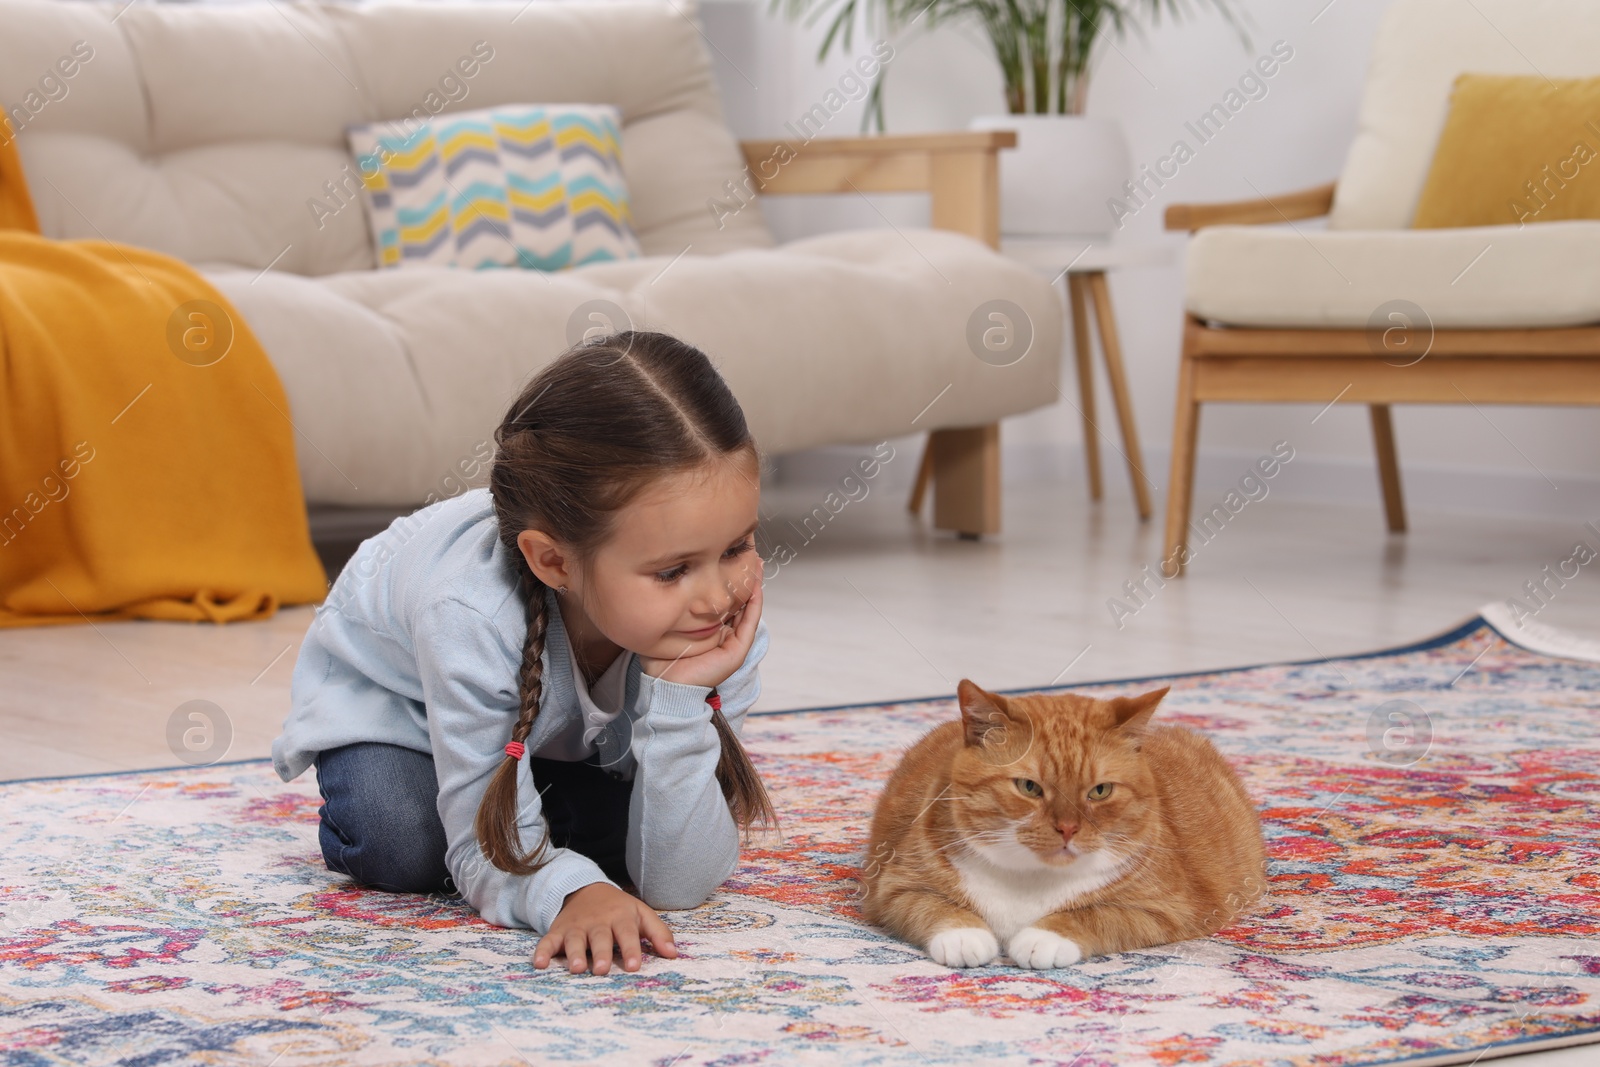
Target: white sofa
point(205, 131)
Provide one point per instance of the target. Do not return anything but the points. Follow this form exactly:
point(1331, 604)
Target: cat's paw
point(963, 946)
point(1041, 949)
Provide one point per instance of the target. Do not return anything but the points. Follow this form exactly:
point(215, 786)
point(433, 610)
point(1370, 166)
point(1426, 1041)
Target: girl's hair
point(585, 437)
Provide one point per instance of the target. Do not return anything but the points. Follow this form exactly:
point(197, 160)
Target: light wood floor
point(876, 608)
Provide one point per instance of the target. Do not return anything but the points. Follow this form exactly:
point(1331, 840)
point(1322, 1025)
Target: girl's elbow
point(674, 899)
point(681, 894)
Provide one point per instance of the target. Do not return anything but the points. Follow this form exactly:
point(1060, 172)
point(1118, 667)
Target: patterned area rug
point(1433, 816)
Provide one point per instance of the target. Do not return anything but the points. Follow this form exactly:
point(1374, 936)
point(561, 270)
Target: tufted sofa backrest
point(216, 132)
point(1422, 45)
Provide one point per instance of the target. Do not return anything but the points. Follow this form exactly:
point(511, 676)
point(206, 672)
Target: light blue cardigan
point(420, 644)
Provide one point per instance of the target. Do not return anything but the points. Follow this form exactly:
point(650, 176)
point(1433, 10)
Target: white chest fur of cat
point(1012, 888)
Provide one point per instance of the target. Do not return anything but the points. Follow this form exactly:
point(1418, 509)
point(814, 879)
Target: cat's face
point(1045, 780)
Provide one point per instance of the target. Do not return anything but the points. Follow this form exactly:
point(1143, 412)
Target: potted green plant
point(1066, 165)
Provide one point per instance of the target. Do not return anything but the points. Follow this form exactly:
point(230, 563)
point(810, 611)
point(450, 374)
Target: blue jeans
point(380, 815)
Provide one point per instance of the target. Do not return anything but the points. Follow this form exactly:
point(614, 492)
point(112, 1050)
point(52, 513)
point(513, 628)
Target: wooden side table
point(1084, 266)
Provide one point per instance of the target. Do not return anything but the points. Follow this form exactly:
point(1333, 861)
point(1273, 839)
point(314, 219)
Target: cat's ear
point(984, 715)
point(1132, 714)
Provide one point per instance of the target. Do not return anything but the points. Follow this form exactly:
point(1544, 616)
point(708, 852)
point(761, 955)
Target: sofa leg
point(966, 479)
point(1180, 488)
point(919, 488)
point(1394, 505)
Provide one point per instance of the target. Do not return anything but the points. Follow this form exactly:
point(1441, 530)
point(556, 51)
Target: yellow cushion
point(1515, 149)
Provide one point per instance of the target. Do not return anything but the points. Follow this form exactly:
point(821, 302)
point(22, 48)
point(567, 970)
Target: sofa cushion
point(1422, 45)
point(212, 131)
point(1475, 277)
point(537, 187)
point(813, 338)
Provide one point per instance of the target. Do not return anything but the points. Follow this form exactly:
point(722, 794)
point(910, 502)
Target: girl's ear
point(551, 563)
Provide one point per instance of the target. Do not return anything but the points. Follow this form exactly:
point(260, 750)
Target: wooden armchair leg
point(1180, 487)
point(1394, 506)
point(966, 479)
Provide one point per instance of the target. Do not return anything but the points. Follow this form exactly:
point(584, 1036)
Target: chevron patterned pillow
point(533, 186)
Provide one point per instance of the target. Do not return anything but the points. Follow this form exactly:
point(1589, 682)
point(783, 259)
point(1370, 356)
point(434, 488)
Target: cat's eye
point(1100, 792)
point(1028, 787)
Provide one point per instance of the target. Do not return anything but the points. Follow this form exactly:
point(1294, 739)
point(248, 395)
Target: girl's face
point(680, 562)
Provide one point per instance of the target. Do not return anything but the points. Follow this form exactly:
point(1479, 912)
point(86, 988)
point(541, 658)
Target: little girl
point(532, 693)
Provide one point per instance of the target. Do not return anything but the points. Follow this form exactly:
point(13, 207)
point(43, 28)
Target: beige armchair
point(1369, 311)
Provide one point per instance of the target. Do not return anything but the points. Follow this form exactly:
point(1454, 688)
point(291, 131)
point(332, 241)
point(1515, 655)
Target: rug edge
point(1501, 1051)
point(1539, 637)
point(1533, 637)
point(138, 770)
point(1463, 629)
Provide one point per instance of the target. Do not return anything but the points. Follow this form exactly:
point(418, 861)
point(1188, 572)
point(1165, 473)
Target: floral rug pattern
point(1432, 816)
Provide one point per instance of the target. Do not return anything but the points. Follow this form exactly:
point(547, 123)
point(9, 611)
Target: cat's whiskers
point(996, 837)
point(1115, 839)
point(984, 835)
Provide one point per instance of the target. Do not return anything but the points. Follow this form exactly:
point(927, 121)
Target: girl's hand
point(715, 665)
point(595, 917)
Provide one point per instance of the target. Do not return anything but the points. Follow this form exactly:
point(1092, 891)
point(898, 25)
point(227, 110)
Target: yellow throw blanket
point(147, 461)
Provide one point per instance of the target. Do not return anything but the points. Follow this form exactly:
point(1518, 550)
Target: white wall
point(1452, 457)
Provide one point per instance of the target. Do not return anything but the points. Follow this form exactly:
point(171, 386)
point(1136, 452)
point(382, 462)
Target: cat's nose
point(1067, 830)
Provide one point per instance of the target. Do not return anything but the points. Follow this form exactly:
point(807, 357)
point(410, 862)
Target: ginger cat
point(1061, 827)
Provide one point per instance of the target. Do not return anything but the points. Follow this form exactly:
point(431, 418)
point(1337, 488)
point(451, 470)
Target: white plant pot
point(1057, 179)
